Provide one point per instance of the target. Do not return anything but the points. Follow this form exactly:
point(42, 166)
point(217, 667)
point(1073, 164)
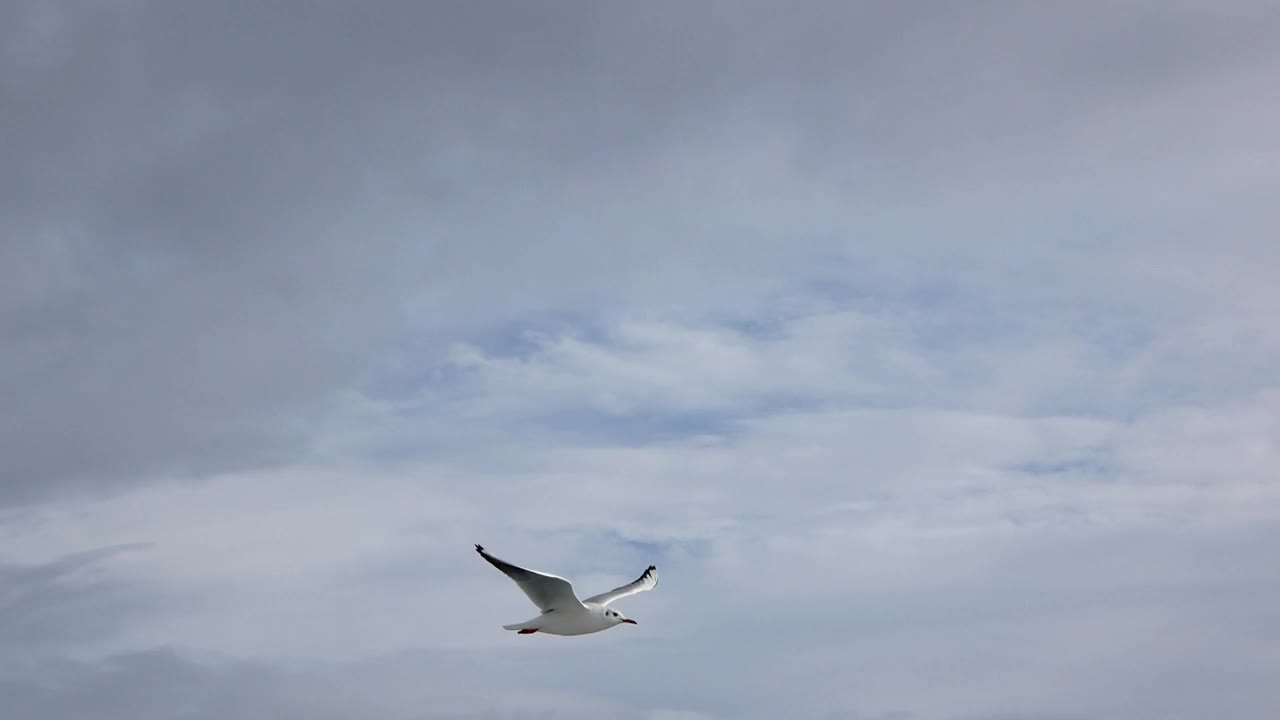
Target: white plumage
point(562, 612)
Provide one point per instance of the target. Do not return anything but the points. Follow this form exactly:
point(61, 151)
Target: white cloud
point(670, 368)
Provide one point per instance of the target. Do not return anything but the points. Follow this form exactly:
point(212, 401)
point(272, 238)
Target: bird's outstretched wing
point(647, 581)
point(548, 592)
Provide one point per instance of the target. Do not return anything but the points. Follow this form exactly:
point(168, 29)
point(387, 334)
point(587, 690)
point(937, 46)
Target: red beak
point(629, 620)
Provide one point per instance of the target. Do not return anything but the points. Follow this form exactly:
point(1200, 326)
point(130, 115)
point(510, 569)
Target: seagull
point(562, 612)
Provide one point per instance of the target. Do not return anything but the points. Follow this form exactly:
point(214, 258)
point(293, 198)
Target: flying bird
point(562, 612)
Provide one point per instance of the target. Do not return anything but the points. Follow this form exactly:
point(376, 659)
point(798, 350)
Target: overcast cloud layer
point(929, 349)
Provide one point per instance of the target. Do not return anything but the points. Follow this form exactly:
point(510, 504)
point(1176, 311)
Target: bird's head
point(616, 617)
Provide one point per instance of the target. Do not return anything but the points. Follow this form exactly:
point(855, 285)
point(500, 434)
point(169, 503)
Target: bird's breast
point(580, 622)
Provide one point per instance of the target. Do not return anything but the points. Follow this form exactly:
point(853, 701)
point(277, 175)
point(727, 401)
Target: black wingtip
point(479, 549)
point(652, 568)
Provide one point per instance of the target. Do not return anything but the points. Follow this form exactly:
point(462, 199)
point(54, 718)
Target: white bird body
point(590, 619)
point(562, 612)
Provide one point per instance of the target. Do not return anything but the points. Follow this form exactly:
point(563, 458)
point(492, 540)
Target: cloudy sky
point(929, 349)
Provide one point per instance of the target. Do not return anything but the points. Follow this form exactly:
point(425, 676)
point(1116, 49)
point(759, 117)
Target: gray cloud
point(65, 602)
point(217, 220)
point(164, 684)
point(954, 322)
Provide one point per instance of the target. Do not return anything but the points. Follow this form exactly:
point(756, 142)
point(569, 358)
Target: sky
point(928, 349)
